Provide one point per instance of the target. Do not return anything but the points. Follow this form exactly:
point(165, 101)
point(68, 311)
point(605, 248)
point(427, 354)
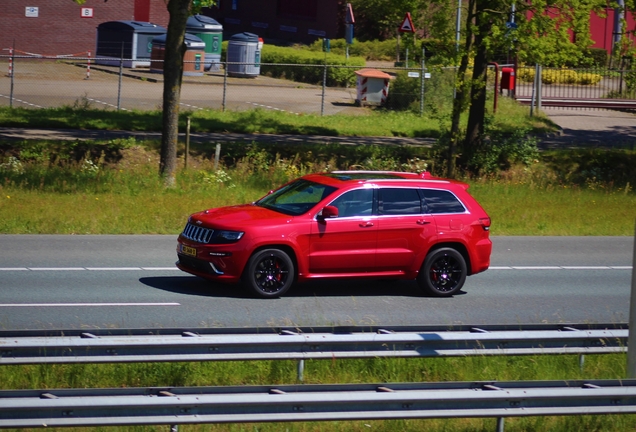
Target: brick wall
point(59, 28)
point(279, 20)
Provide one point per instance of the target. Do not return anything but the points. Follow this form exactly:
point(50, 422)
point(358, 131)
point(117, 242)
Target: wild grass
point(114, 188)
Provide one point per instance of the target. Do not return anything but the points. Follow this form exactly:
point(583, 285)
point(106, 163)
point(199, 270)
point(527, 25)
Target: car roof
point(342, 178)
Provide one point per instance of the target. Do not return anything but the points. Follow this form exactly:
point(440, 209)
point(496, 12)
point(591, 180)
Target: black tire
point(269, 273)
point(443, 272)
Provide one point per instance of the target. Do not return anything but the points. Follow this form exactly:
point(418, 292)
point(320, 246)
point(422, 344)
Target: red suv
point(343, 224)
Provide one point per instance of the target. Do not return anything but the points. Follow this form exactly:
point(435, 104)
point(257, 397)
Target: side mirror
point(328, 212)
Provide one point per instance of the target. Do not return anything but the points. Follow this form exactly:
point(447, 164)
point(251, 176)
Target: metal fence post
point(11, 74)
point(224, 86)
point(422, 84)
point(121, 74)
point(187, 144)
point(631, 339)
point(324, 86)
point(539, 85)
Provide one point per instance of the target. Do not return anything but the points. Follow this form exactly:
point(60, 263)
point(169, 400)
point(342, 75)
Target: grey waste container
point(244, 55)
point(134, 38)
point(211, 32)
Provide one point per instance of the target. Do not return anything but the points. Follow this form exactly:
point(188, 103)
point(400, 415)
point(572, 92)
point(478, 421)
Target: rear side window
point(441, 201)
point(396, 201)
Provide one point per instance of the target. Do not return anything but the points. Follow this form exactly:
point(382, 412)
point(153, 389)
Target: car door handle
point(366, 224)
point(423, 222)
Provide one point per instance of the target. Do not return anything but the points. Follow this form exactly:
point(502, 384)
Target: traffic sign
point(407, 24)
point(349, 19)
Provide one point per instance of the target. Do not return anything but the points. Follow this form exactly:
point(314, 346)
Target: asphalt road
point(58, 282)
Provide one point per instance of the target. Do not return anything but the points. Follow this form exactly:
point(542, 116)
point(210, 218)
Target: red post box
point(507, 78)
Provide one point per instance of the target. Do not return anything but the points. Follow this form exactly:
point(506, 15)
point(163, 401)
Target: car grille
point(197, 233)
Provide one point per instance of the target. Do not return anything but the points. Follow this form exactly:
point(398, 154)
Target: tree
point(551, 32)
point(179, 11)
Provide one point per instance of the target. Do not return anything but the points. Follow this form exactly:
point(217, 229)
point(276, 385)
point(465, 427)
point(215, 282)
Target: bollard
point(88, 65)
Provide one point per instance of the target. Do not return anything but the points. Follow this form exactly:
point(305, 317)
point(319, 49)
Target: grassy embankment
point(112, 187)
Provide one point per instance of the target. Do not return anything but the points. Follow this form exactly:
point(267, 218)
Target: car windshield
point(296, 198)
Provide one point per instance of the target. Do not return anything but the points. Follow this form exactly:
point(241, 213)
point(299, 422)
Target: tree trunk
point(461, 90)
point(179, 11)
point(477, 110)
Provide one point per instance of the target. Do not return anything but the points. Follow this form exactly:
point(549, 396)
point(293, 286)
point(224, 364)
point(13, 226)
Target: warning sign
point(407, 24)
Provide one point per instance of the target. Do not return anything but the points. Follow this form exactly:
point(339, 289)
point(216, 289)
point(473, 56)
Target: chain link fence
point(85, 82)
point(32, 81)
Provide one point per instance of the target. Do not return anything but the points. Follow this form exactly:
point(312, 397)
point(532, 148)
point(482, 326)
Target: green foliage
point(405, 92)
point(369, 50)
point(300, 65)
point(499, 151)
point(599, 57)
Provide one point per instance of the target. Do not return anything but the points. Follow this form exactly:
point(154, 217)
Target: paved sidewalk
point(73, 134)
point(583, 127)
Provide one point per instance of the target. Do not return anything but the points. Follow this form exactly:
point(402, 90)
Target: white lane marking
point(87, 268)
point(560, 268)
point(176, 269)
point(85, 304)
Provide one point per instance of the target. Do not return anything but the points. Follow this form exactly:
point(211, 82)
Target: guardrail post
point(500, 424)
point(301, 370)
point(631, 339)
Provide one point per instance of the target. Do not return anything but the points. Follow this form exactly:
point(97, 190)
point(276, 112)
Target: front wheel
point(269, 273)
point(443, 272)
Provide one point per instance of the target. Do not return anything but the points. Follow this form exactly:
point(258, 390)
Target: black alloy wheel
point(269, 273)
point(443, 272)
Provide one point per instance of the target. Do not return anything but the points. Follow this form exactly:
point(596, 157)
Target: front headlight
point(223, 236)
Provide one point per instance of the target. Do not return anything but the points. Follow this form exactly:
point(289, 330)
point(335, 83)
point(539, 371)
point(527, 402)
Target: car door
point(405, 231)
point(345, 244)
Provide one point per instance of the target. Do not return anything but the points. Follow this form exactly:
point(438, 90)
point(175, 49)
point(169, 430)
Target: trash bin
point(507, 78)
point(133, 38)
point(210, 32)
point(244, 55)
point(372, 86)
point(193, 60)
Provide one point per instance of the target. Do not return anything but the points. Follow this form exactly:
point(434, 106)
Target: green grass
point(372, 123)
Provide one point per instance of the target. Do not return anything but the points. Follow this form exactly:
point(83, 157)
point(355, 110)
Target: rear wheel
point(269, 273)
point(443, 272)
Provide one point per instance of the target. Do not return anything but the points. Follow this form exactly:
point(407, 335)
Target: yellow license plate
point(187, 250)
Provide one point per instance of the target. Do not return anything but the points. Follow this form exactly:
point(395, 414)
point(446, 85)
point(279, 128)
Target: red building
point(289, 20)
point(62, 27)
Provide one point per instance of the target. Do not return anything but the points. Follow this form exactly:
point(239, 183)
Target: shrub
point(300, 65)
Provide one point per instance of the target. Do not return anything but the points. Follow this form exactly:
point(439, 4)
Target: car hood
point(239, 216)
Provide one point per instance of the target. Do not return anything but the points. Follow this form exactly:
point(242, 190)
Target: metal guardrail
point(309, 343)
point(288, 403)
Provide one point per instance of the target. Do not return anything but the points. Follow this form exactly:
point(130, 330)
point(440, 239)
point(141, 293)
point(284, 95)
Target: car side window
point(441, 201)
point(399, 201)
point(357, 202)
